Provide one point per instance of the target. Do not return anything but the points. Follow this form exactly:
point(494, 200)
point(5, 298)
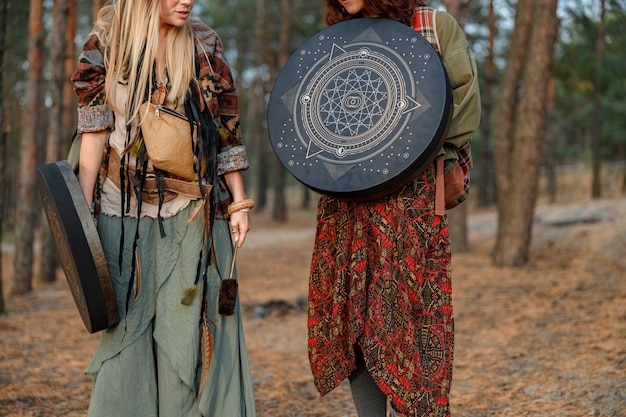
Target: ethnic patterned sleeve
point(94, 114)
point(220, 92)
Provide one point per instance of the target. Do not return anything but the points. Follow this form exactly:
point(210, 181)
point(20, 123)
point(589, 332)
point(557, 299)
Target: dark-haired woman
point(380, 307)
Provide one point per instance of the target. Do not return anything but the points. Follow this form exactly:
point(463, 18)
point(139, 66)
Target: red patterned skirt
point(380, 279)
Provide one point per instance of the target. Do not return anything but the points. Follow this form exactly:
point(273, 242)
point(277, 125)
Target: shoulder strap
point(424, 22)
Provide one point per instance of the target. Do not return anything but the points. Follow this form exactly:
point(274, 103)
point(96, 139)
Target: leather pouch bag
point(457, 179)
point(454, 187)
point(169, 142)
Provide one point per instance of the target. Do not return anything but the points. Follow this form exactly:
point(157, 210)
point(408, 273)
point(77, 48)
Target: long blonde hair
point(128, 31)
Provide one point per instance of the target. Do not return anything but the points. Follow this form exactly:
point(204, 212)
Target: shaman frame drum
point(78, 245)
point(360, 109)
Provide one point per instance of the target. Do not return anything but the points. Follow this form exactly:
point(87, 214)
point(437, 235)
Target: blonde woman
point(168, 239)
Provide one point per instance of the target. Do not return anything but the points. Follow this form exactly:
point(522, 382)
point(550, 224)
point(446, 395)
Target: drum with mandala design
point(360, 109)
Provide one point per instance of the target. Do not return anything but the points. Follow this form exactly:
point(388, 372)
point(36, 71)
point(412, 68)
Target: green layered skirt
point(152, 364)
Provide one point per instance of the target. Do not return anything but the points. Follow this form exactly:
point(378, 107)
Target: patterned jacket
point(216, 82)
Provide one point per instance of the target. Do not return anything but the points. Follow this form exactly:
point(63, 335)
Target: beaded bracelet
point(246, 205)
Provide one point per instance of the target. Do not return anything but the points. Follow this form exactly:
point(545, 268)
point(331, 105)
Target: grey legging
point(368, 398)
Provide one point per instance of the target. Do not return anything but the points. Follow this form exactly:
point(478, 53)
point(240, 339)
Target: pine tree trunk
point(3, 21)
point(596, 184)
point(518, 202)
point(95, 8)
point(306, 198)
point(257, 109)
point(54, 143)
point(458, 9)
point(69, 96)
point(503, 116)
point(550, 152)
point(280, 206)
point(504, 111)
point(457, 224)
point(26, 213)
point(485, 185)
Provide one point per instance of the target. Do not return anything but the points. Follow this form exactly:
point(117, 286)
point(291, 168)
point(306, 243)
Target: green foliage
point(15, 56)
point(582, 79)
point(235, 21)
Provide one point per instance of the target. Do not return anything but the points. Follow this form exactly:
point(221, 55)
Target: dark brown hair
point(398, 10)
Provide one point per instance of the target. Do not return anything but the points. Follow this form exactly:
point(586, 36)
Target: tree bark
point(3, 135)
point(457, 224)
point(596, 182)
point(458, 9)
point(504, 117)
point(96, 6)
point(257, 107)
point(550, 152)
point(485, 186)
point(518, 202)
point(54, 143)
point(26, 212)
point(69, 96)
point(306, 198)
point(280, 206)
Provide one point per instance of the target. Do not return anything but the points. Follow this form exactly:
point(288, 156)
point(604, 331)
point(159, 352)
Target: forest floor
point(545, 339)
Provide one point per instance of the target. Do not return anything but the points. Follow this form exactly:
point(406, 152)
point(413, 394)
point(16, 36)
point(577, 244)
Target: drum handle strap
point(440, 200)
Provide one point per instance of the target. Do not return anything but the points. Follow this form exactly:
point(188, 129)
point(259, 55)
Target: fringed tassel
point(190, 293)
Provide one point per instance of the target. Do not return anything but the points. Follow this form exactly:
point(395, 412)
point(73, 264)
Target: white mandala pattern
point(353, 102)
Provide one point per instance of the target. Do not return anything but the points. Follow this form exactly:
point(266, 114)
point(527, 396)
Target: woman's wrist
point(242, 205)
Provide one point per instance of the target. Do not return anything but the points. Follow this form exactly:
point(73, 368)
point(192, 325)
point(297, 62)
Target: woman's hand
point(239, 209)
point(239, 226)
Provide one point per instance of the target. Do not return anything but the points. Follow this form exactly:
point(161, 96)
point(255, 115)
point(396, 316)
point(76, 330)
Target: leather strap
point(440, 201)
point(172, 186)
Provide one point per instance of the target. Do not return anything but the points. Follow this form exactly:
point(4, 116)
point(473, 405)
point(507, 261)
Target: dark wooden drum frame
point(360, 109)
point(78, 246)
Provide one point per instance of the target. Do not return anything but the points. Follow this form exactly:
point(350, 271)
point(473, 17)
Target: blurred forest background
point(553, 87)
